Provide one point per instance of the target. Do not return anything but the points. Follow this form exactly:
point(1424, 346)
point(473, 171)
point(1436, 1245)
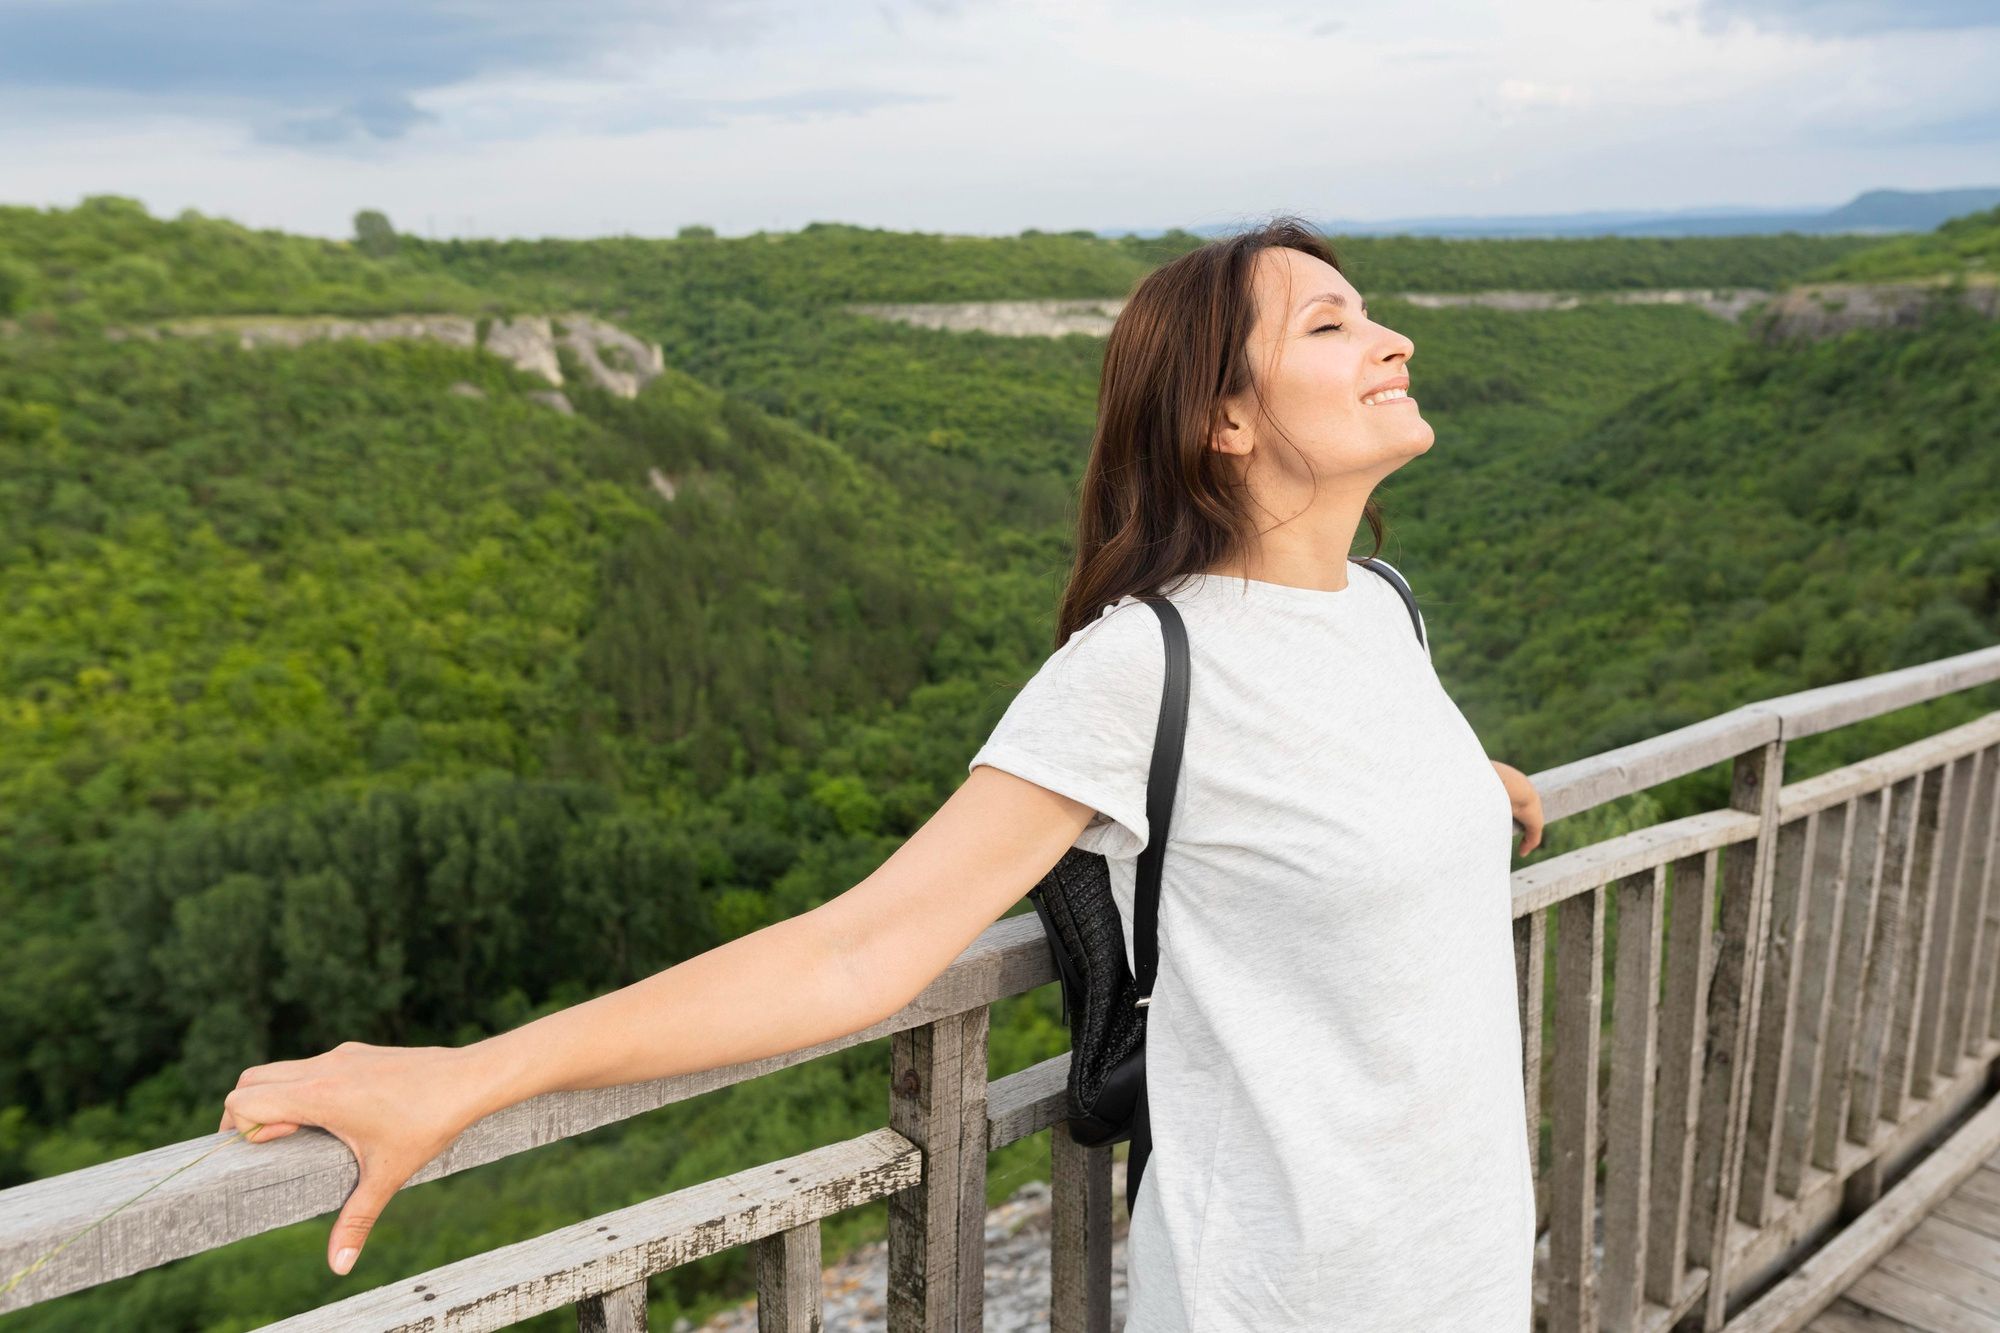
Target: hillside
point(348, 691)
point(109, 258)
point(1783, 517)
point(1967, 245)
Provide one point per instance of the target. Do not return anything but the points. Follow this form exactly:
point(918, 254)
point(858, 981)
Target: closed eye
point(1324, 327)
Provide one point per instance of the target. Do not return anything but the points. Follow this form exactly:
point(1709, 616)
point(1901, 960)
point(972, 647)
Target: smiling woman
point(1334, 1100)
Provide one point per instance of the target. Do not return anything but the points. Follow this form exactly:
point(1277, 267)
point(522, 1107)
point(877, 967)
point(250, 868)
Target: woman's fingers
point(359, 1215)
point(395, 1108)
point(279, 1108)
point(271, 1073)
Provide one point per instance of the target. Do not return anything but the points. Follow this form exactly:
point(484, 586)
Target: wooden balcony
point(1745, 1092)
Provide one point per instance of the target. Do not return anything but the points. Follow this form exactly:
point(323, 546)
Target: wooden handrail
point(310, 1173)
point(1914, 1034)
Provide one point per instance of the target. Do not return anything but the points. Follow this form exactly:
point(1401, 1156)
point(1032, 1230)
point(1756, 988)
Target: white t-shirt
point(1333, 1049)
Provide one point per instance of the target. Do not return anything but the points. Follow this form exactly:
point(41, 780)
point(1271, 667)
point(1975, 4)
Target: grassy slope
point(1968, 245)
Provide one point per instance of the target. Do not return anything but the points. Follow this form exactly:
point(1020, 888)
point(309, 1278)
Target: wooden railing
point(1781, 1041)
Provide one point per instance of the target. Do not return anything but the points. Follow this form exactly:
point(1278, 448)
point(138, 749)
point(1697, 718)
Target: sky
point(512, 118)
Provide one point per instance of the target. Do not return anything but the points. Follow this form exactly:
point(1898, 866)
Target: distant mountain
point(1874, 211)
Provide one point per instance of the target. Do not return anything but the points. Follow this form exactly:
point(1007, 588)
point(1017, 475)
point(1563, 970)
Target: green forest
point(350, 692)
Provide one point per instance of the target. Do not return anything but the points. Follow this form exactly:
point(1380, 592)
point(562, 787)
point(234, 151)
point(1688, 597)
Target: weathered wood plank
point(1969, 909)
point(1946, 1277)
point(1530, 976)
point(1982, 1185)
point(1902, 1299)
point(619, 1249)
point(1982, 1025)
point(1569, 788)
point(937, 1232)
point(1808, 712)
point(1887, 956)
point(1079, 1235)
point(789, 1266)
point(1959, 1243)
point(1628, 1138)
point(1825, 838)
point(620, 1311)
point(1860, 885)
point(1981, 911)
point(1573, 1114)
point(1588, 869)
point(1756, 780)
point(1972, 1215)
point(1683, 1038)
point(1771, 1066)
point(1899, 1068)
point(1847, 1262)
point(1844, 1316)
point(1027, 1101)
point(1838, 786)
point(1944, 898)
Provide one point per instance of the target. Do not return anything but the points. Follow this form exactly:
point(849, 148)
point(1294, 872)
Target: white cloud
point(1061, 113)
point(1527, 93)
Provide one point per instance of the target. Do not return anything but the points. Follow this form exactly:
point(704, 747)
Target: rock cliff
point(1818, 310)
point(610, 357)
point(1828, 309)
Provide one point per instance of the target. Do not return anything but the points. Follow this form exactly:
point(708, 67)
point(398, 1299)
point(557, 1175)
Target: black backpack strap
point(1402, 585)
point(1169, 738)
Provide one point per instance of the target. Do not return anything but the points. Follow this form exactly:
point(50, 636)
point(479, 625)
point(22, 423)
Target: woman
point(1333, 1052)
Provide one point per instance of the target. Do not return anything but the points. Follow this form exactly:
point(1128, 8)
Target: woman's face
point(1322, 368)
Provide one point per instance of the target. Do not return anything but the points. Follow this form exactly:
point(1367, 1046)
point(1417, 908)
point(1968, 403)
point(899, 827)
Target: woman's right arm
point(841, 967)
point(844, 966)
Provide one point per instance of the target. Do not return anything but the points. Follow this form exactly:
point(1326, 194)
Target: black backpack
point(1103, 1003)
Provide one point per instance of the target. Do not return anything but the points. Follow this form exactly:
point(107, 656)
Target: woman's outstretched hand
point(395, 1107)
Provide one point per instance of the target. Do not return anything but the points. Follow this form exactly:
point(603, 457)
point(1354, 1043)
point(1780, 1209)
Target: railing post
point(1732, 1015)
point(1628, 1166)
point(1866, 1111)
point(1899, 1067)
point(1079, 1235)
point(1978, 1024)
point(1823, 880)
point(1860, 885)
point(622, 1310)
point(788, 1279)
point(1968, 938)
point(1771, 1065)
point(1953, 796)
point(1573, 1114)
point(937, 1231)
point(1683, 1034)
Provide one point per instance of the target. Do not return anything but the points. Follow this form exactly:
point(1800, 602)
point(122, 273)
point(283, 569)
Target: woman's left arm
point(1527, 804)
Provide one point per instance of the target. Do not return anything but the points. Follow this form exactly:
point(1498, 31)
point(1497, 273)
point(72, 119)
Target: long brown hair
point(1156, 502)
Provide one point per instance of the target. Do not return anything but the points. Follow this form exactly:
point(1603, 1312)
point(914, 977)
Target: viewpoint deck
point(1943, 1277)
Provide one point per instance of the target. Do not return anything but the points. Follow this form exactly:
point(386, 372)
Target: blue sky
point(508, 118)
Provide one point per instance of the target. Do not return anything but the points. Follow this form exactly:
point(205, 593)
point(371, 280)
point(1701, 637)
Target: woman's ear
point(1227, 436)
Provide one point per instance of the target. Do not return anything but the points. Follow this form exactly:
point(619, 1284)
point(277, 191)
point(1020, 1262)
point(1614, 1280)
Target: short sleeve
point(1083, 725)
